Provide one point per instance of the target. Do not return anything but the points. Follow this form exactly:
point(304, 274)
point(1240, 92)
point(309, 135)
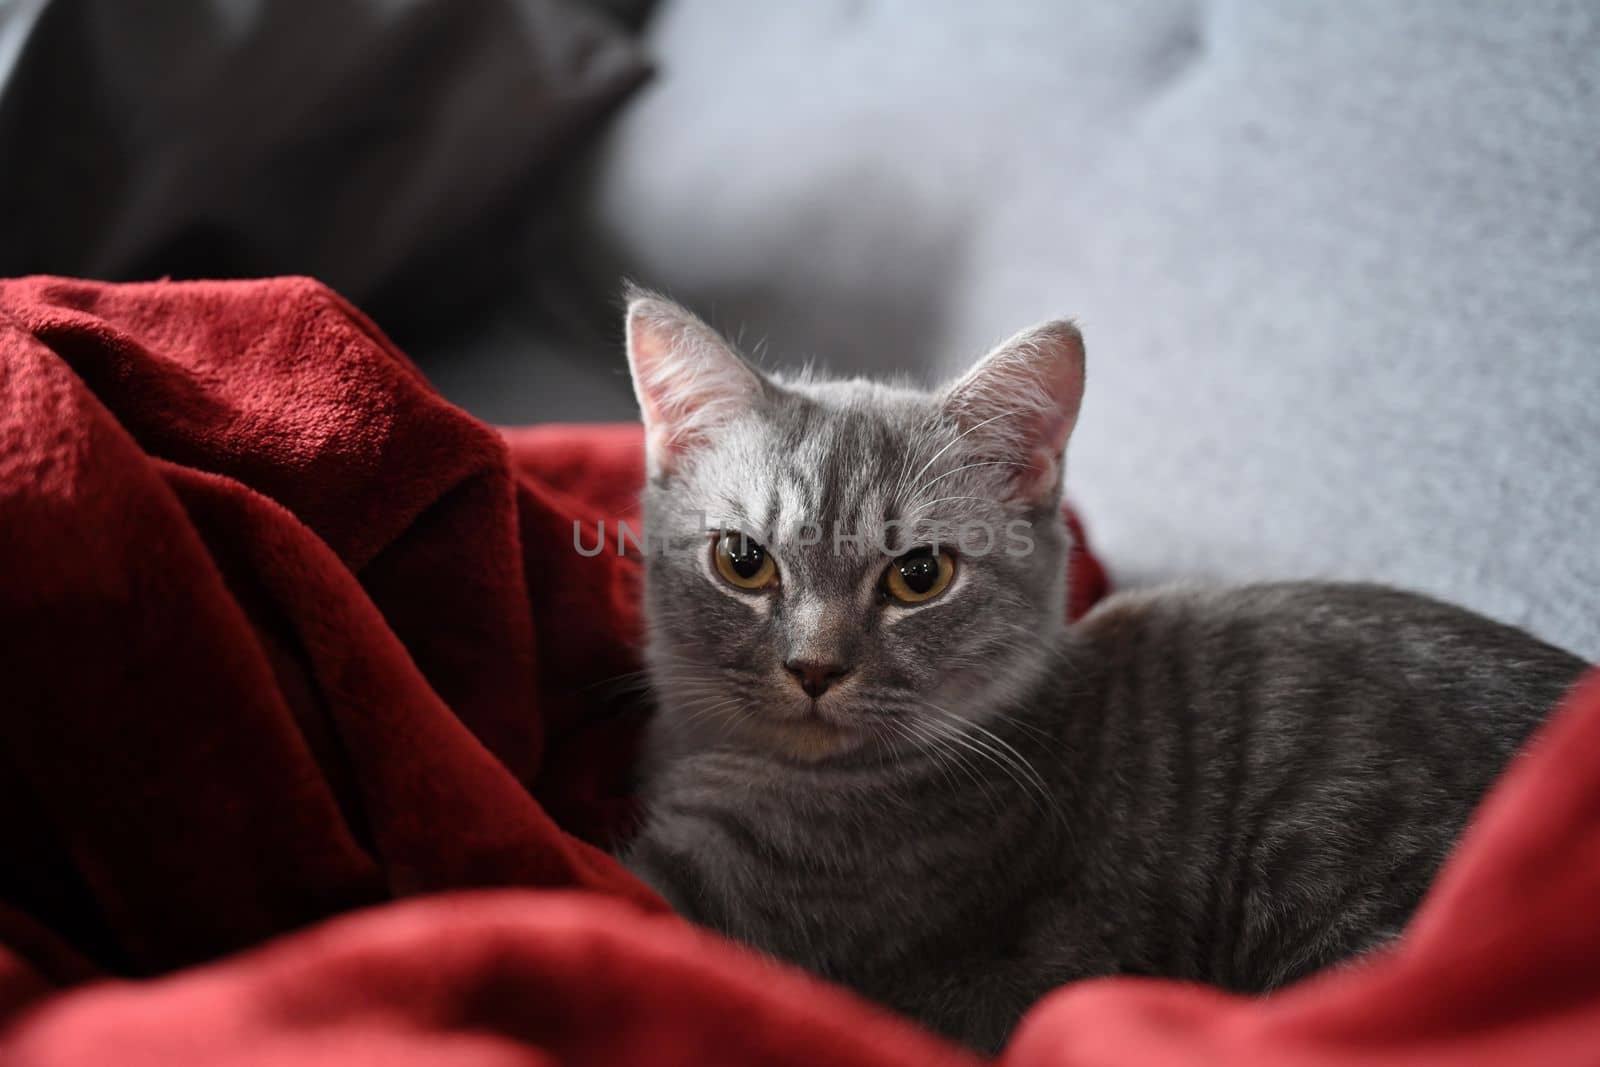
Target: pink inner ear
point(1054, 429)
point(687, 378)
point(651, 353)
point(1031, 387)
point(1038, 481)
point(1043, 473)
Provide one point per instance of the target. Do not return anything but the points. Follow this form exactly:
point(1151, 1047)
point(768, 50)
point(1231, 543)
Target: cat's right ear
point(689, 381)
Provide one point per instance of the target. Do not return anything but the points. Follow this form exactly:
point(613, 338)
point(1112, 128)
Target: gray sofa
point(1338, 263)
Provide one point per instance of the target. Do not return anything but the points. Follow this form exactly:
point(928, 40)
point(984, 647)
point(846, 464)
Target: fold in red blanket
point(285, 638)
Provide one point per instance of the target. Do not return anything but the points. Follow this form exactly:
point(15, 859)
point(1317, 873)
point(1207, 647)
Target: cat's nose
point(815, 677)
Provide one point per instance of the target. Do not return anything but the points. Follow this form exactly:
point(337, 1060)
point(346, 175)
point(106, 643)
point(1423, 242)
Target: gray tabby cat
point(894, 764)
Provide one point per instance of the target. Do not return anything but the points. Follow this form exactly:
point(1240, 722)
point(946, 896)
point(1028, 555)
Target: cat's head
point(836, 566)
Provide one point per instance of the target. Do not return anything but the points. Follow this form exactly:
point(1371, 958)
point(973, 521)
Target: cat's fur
point(1235, 786)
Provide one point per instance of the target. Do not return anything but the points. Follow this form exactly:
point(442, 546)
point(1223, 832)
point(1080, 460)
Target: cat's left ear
point(1020, 404)
point(690, 382)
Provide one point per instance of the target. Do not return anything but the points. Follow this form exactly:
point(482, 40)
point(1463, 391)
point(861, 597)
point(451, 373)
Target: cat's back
point(1275, 771)
point(1358, 636)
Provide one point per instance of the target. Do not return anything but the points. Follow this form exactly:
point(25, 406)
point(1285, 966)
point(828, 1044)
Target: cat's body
point(955, 804)
point(1244, 786)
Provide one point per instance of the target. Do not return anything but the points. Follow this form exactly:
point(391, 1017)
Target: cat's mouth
point(811, 735)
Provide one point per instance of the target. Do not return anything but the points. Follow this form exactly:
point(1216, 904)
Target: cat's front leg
point(670, 872)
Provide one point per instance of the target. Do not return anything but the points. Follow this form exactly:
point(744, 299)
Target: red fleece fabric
point(284, 638)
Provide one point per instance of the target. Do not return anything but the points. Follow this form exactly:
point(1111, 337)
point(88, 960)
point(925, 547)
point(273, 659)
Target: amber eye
point(742, 562)
point(919, 575)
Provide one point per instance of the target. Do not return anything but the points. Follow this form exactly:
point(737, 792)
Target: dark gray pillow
point(389, 147)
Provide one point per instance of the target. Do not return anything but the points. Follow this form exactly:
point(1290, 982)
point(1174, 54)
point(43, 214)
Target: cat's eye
point(742, 562)
point(919, 575)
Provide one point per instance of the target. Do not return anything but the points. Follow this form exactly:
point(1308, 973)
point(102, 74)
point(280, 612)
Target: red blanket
point(284, 636)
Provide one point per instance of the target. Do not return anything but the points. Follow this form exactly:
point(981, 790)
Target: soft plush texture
point(283, 636)
point(394, 149)
point(286, 633)
point(1336, 262)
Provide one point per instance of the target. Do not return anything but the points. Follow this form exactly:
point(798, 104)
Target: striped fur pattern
point(1233, 786)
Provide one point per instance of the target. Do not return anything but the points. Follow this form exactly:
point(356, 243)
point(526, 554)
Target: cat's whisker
point(1021, 724)
point(922, 509)
point(618, 686)
point(926, 747)
point(904, 476)
point(885, 751)
point(1005, 745)
point(935, 732)
point(955, 735)
point(962, 435)
point(923, 488)
point(938, 746)
point(700, 713)
point(999, 751)
point(990, 737)
point(715, 711)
